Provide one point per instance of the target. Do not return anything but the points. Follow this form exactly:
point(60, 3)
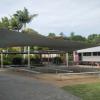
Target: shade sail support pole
point(48, 60)
point(67, 59)
point(1, 59)
point(29, 56)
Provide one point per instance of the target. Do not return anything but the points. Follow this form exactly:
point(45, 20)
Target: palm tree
point(24, 17)
point(15, 24)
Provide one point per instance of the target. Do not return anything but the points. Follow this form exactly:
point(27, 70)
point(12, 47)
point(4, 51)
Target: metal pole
point(48, 59)
point(1, 59)
point(67, 59)
point(29, 56)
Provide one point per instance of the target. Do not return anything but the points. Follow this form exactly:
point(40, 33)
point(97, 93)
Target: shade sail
point(10, 38)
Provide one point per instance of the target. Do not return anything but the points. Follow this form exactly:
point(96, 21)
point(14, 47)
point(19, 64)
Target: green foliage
point(51, 35)
point(17, 60)
point(23, 16)
point(5, 23)
point(35, 61)
point(6, 62)
point(61, 34)
point(15, 24)
point(10, 57)
point(94, 38)
point(77, 37)
point(17, 20)
point(57, 60)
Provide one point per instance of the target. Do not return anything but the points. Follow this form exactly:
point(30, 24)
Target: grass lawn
point(85, 91)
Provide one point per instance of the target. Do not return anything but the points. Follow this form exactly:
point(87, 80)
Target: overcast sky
point(79, 16)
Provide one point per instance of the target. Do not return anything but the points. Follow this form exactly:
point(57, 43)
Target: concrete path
point(14, 87)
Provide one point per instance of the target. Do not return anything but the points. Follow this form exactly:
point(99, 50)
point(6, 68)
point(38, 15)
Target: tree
point(1, 25)
point(5, 23)
point(15, 24)
point(72, 34)
point(61, 34)
point(98, 39)
point(92, 38)
point(51, 35)
point(77, 37)
point(24, 17)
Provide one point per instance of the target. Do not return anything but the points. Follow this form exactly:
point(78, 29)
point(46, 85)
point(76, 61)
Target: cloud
point(80, 16)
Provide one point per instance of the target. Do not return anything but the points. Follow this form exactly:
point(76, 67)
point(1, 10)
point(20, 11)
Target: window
point(87, 54)
point(98, 53)
point(84, 54)
point(95, 53)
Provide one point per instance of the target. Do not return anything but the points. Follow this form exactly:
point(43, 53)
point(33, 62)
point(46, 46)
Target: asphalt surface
point(15, 87)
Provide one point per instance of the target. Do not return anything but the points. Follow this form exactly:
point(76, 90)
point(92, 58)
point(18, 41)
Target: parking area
point(19, 87)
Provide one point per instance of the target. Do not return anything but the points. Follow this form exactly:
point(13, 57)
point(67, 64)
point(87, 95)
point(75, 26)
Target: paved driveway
point(14, 87)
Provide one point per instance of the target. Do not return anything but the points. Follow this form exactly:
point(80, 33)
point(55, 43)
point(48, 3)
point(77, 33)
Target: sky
point(56, 16)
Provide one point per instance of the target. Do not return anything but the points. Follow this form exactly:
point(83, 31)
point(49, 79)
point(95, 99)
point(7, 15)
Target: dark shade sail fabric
point(10, 38)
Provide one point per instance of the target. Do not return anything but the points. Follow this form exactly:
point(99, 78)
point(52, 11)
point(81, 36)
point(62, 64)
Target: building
point(88, 56)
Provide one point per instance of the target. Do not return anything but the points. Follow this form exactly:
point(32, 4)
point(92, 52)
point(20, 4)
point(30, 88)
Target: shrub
point(57, 60)
point(17, 61)
point(7, 62)
point(35, 61)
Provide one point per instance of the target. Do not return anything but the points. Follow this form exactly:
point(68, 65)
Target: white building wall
point(91, 58)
